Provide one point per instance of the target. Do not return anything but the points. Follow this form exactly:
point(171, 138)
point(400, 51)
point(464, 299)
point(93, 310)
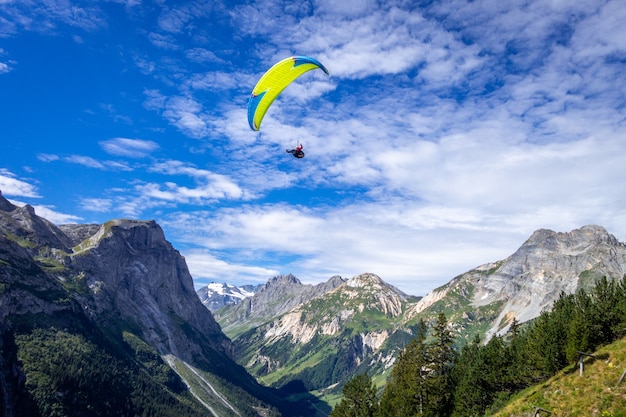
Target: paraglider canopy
point(273, 82)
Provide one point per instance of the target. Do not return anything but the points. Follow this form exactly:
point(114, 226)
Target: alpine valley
point(313, 338)
point(103, 320)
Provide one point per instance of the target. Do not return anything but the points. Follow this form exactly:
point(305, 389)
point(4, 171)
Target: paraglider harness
point(297, 152)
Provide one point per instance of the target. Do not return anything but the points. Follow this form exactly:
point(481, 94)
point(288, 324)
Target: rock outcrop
point(132, 271)
point(120, 285)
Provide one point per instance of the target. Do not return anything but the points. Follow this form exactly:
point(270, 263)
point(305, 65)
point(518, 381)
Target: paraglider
point(297, 152)
point(272, 83)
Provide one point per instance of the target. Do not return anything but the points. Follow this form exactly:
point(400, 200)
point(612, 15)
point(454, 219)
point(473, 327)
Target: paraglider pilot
point(297, 152)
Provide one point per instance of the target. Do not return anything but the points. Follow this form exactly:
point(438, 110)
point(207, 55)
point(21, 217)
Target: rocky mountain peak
point(366, 280)
point(218, 295)
point(282, 280)
point(574, 241)
point(133, 270)
point(532, 278)
point(23, 223)
point(569, 253)
point(373, 293)
point(278, 296)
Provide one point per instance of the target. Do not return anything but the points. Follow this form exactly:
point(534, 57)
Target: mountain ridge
point(122, 291)
point(484, 301)
point(217, 295)
point(529, 280)
point(277, 296)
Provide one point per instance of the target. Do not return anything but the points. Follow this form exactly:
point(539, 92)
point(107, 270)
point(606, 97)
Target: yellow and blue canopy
point(273, 82)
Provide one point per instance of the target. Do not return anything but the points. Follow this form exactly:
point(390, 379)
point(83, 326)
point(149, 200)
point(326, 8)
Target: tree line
point(432, 378)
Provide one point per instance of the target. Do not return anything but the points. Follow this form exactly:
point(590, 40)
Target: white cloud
point(382, 238)
point(183, 112)
point(163, 41)
point(133, 148)
point(202, 55)
point(48, 15)
point(99, 205)
point(209, 186)
point(85, 161)
point(13, 186)
point(48, 213)
point(47, 157)
point(90, 162)
point(203, 266)
point(344, 9)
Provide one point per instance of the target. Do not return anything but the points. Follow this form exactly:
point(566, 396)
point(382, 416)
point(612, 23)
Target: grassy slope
point(596, 393)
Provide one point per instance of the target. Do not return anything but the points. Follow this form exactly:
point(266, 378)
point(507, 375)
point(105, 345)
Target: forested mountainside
point(432, 378)
point(102, 320)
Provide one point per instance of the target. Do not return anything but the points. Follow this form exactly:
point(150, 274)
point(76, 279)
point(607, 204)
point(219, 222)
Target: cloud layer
point(445, 135)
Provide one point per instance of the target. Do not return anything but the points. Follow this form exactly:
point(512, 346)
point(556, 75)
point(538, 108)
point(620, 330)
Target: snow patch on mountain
point(220, 294)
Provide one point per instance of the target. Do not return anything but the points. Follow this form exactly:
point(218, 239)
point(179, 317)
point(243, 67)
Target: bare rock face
point(79, 232)
point(23, 223)
point(548, 263)
point(330, 336)
point(531, 279)
point(133, 271)
point(279, 295)
point(5, 205)
point(126, 271)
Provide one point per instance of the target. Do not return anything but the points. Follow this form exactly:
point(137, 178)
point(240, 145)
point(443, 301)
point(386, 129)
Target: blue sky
point(446, 133)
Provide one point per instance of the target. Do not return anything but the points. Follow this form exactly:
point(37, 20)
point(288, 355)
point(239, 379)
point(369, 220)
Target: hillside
point(323, 341)
point(596, 393)
point(93, 309)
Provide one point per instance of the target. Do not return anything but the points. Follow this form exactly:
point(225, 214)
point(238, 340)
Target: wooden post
point(580, 362)
point(621, 378)
point(581, 356)
point(538, 411)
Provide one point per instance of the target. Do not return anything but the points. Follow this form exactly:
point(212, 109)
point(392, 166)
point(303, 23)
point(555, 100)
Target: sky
point(446, 133)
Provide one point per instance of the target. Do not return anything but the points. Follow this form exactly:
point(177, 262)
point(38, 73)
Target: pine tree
point(405, 392)
point(470, 396)
point(359, 398)
point(439, 381)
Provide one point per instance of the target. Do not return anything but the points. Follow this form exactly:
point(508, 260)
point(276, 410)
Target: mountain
point(486, 299)
point(335, 330)
point(217, 295)
point(315, 343)
point(111, 308)
point(279, 295)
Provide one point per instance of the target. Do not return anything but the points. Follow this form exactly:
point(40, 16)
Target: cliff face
point(130, 272)
point(118, 285)
point(133, 272)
